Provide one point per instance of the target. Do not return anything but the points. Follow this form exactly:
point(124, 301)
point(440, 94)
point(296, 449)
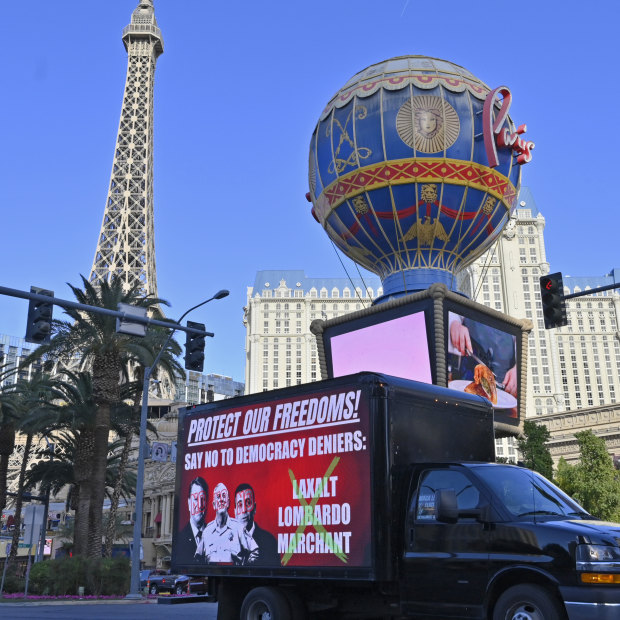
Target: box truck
point(370, 496)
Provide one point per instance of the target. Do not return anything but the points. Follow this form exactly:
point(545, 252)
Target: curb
point(55, 602)
point(179, 600)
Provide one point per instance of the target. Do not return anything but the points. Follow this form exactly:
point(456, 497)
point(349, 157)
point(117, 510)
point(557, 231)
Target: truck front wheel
point(527, 602)
point(265, 604)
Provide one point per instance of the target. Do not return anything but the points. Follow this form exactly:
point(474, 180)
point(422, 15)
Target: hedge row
point(64, 577)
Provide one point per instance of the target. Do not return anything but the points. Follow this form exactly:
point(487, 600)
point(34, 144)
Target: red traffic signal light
point(553, 303)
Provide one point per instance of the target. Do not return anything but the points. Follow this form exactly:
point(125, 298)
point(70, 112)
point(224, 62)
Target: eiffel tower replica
point(126, 244)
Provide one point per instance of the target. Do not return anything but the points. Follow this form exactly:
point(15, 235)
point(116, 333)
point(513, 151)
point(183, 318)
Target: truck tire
point(179, 590)
point(527, 602)
point(153, 589)
point(265, 604)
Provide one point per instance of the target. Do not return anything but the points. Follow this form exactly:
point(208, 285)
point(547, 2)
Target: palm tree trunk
point(19, 502)
point(106, 392)
point(83, 481)
point(100, 461)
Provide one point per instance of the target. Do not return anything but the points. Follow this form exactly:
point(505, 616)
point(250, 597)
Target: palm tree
point(28, 400)
point(56, 471)
point(92, 337)
point(74, 412)
point(130, 425)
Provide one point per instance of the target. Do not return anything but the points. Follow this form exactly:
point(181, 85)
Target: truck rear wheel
point(265, 604)
point(527, 602)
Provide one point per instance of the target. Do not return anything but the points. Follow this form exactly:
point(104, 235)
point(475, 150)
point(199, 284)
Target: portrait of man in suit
point(245, 511)
point(190, 537)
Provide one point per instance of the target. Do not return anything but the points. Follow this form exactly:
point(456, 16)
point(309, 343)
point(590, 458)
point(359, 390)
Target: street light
point(134, 590)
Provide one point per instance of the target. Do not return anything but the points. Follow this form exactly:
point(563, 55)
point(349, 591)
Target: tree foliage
point(95, 400)
point(92, 336)
point(534, 450)
point(593, 482)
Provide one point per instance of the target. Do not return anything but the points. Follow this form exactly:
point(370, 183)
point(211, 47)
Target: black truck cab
point(487, 540)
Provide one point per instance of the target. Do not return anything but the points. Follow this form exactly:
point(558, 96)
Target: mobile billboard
point(434, 336)
point(274, 483)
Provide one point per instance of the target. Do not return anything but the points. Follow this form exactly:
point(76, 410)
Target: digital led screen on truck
point(277, 483)
point(483, 358)
point(389, 340)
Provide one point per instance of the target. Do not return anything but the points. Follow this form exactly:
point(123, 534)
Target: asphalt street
point(118, 610)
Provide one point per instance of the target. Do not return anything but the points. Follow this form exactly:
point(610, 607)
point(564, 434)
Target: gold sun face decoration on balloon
point(428, 124)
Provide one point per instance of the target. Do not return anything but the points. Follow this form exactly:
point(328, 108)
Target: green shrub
point(115, 576)
point(13, 582)
point(41, 578)
point(69, 575)
point(98, 577)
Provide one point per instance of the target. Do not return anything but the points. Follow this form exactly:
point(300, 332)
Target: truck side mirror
point(446, 508)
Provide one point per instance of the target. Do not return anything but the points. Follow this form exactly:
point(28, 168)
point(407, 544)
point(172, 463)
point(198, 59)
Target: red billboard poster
point(277, 483)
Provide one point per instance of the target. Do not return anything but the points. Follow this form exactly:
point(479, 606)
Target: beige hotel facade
point(573, 372)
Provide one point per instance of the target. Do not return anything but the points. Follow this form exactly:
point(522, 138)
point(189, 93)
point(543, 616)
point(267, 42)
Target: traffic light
point(194, 348)
point(39, 327)
point(553, 303)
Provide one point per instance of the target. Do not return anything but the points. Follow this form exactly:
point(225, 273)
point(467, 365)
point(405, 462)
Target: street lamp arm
point(134, 590)
point(218, 295)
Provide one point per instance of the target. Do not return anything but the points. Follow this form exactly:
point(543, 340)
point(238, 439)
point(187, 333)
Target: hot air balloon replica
point(414, 168)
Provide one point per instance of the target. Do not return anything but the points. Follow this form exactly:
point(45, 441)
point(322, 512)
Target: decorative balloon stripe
point(352, 230)
point(398, 82)
point(416, 170)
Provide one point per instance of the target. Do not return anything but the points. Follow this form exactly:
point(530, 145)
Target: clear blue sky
point(237, 94)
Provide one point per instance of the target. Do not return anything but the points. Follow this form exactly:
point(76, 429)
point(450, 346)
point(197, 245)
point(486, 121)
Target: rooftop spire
point(144, 25)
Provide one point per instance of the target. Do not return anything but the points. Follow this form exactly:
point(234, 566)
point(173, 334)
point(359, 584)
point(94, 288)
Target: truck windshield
point(526, 493)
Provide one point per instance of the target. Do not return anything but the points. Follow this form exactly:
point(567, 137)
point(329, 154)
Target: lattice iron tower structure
point(126, 243)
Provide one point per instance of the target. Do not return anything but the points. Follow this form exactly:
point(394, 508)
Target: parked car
point(161, 581)
point(147, 572)
point(165, 582)
point(190, 584)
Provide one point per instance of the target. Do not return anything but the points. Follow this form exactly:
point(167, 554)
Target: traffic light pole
point(598, 289)
point(554, 300)
point(128, 318)
point(134, 588)
point(143, 320)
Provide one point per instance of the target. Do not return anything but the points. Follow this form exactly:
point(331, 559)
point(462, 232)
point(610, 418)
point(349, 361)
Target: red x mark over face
point(198, 503)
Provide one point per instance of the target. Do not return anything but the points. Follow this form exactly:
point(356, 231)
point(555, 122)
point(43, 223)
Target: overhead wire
point(485, 268)
point(348, 276)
